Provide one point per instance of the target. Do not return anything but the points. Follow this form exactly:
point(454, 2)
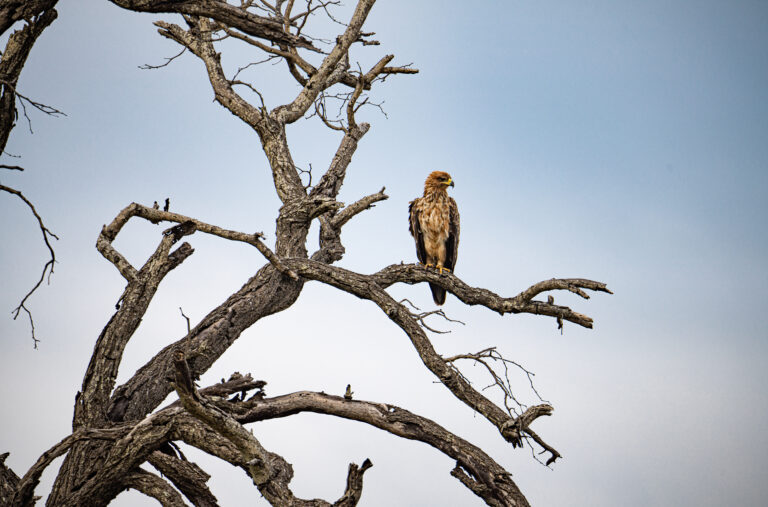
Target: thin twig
point(501, 381)
point(47, 268)
point(147, 66)
point(419, 317)
point(49, 110)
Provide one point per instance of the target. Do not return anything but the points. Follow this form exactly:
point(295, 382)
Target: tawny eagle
point(434, 225)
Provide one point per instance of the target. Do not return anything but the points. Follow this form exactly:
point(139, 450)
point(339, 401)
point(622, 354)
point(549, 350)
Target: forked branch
point(371, 287)
point(269, 472)
point(110, 232)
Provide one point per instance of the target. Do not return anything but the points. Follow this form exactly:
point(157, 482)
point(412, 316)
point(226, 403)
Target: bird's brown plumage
point(434, 225)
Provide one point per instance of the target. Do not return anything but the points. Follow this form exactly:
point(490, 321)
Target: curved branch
point(415, 273)
point(522, 303)
point(124, 457)
point(188, 478)
point(371, 287)
point(92, 402)
point(47, 268)
point(26, 486)
point(495, 485)
point(270, 473)
point(155, 487)
point(110, 232)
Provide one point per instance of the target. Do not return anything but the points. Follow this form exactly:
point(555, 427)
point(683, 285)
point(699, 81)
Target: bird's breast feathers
point(434, 218)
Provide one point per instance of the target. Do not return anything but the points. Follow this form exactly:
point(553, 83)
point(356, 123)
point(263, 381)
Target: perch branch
point(371, 287)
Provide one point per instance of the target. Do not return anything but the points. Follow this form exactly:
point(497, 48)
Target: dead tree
point(117, 429)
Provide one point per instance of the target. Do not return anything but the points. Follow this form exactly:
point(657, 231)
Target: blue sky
point(624, 142)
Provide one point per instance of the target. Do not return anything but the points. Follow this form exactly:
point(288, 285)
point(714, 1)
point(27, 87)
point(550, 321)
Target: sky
point(624, 142)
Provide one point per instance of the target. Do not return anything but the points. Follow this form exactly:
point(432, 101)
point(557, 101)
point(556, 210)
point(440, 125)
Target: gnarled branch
point(155, 487)
point(269, 472)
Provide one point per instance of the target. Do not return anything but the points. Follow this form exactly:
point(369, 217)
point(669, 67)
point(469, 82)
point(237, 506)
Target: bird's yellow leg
point(427, 265)
point(440, 269)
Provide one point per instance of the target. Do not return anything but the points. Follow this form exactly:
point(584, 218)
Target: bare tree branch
point(39, 14)
point(188, 478)
point(168, 61)
point(155, 487)
point(498, 488)
point(47, 267)
point(488, 355)
point(9, 481)
point(236, 17)
point(372, 288)
point(28, 483)
point(270, 473)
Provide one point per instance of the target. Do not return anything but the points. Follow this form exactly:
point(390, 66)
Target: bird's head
point(438, 180)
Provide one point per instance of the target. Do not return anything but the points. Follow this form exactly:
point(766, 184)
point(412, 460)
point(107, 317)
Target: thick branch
point(9, 481)
point(522, 303)
point(266, 293)
point(28, 483)
point(257, 26)
point(122, 458)
point(92, 402)
point(12, 11)
point(269, 472)
point(499, 489)
point(155, 487)
point(331, 182)
point(188, 478)
point(329, 185)
point(39, 14)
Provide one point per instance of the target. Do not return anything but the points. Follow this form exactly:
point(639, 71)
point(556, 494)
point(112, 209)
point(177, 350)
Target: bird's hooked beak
point(450, 183)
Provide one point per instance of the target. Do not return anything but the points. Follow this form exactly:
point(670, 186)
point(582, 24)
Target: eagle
point(434, 225)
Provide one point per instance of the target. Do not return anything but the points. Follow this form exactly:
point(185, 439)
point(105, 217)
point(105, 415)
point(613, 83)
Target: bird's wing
point(452, 244)
point(414, 226)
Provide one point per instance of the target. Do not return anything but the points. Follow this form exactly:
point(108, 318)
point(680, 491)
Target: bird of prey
point(434, 225)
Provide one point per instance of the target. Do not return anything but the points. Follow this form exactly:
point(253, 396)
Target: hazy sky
point(622, 141)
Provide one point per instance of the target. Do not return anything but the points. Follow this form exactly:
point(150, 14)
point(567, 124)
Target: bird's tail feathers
point(438, 293)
